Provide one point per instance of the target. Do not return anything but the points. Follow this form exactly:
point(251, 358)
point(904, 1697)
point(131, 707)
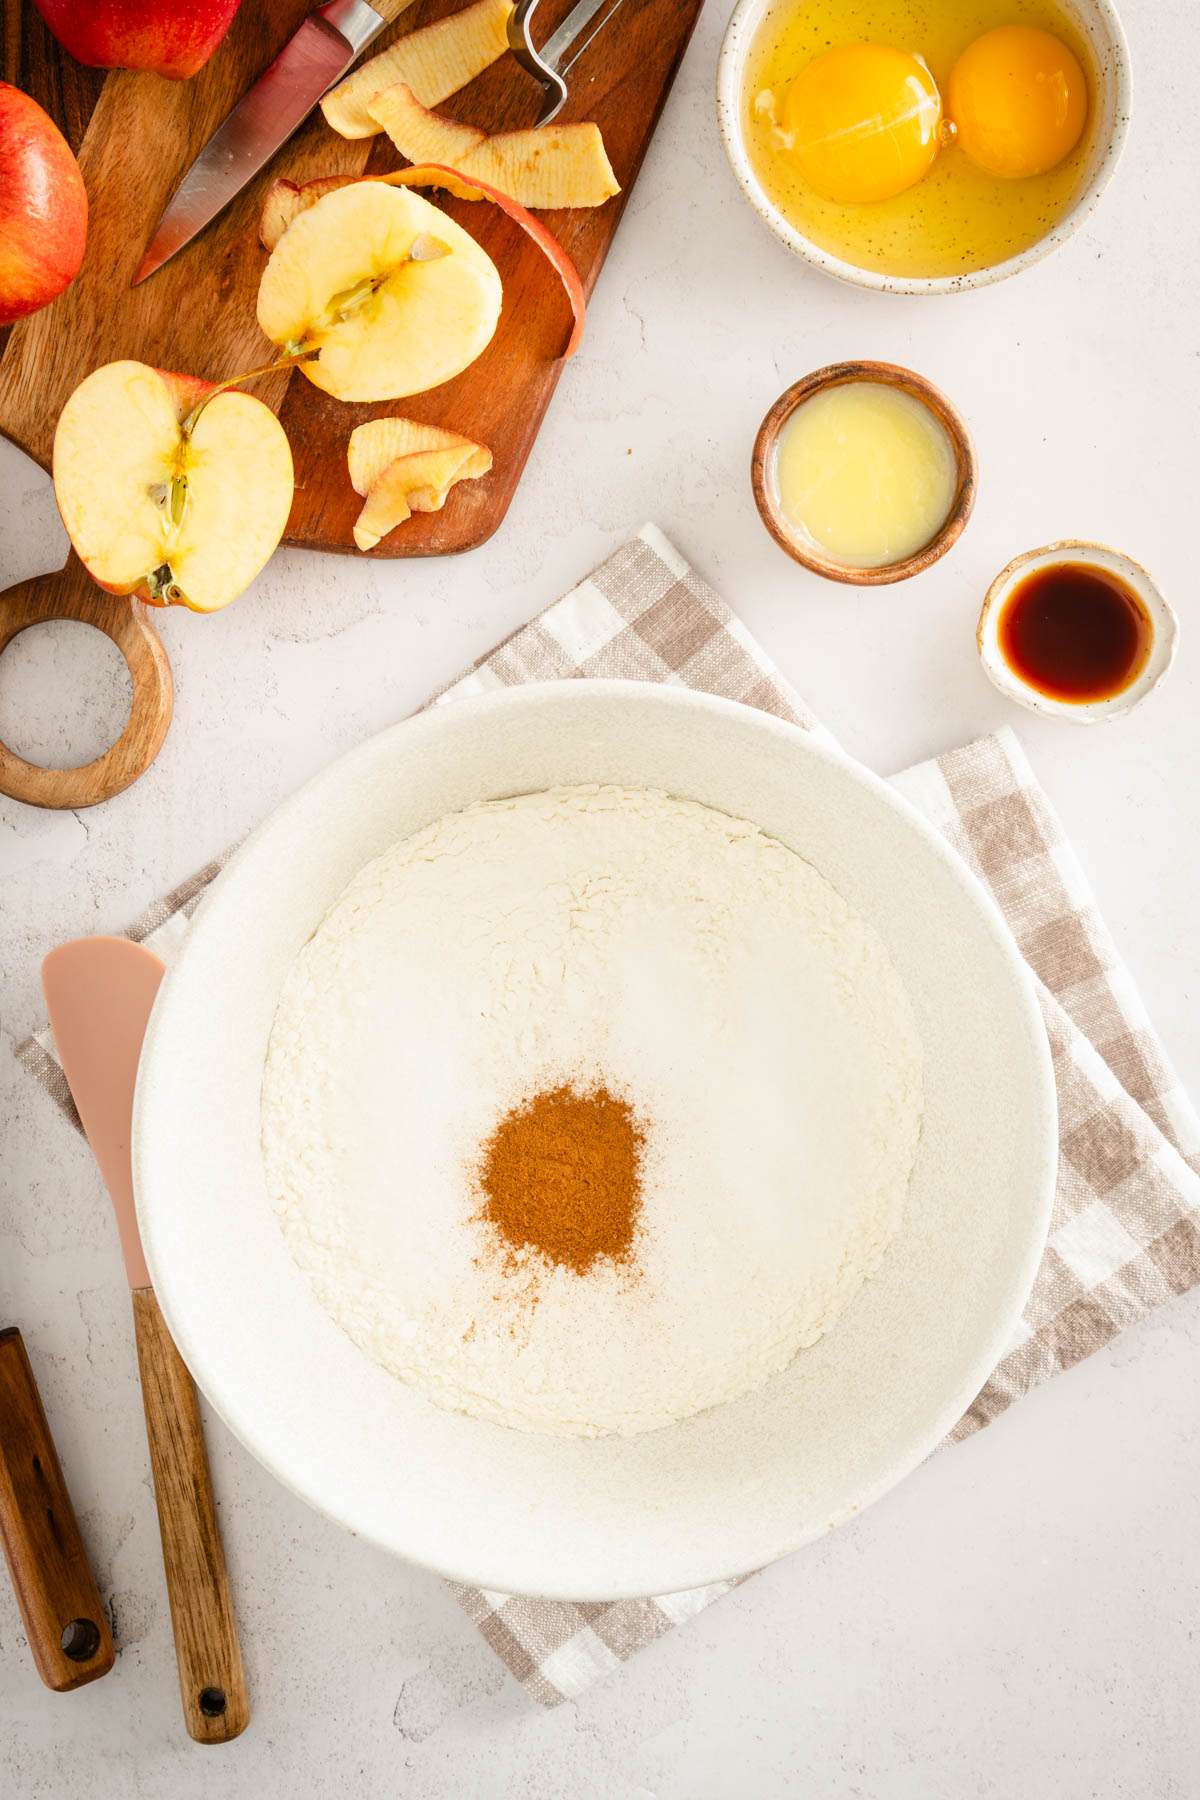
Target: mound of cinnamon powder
point(561, 1177)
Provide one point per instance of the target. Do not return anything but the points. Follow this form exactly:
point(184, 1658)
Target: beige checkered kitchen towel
point(1125, 1234)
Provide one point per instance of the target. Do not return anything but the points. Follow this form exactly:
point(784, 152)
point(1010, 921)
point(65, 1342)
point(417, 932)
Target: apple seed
point(427, 248)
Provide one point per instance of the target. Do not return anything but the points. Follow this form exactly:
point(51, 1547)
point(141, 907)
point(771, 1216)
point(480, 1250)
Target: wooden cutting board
point(197, 314)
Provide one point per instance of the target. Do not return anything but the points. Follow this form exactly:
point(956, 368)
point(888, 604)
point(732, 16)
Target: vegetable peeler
point(547, 65)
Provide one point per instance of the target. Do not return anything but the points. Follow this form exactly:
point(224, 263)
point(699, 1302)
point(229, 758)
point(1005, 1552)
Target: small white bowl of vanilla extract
point(1076, 631)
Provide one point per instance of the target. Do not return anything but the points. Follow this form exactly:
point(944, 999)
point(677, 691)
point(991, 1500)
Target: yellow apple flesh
point(402, 466)
point(167, 494)
point(394, 296)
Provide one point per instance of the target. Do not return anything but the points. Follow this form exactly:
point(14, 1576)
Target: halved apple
point(435, 61)
point(549, 167)
point(401, 467)
point(391, 295)
point(172, 489)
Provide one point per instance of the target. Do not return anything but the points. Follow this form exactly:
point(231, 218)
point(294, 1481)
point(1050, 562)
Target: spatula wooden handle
point(212, 1681)
point(64, 1617)
point(72, 594)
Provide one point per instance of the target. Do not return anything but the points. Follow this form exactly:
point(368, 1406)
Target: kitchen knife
point(63, 1614)
point(266, 116)
point(99, 992)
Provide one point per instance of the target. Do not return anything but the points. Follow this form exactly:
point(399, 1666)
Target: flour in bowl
point(693, 971)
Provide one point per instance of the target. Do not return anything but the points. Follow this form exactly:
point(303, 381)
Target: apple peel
point(550, 167)
point(435, 62)
point(401, 466)
point(420, 134)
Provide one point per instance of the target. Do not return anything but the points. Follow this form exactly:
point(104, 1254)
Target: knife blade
point(266, 116)
point(99, 994)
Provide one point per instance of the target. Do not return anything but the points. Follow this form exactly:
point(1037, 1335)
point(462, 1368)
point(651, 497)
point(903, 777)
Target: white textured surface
point(1018, 1617)
point(592, 938)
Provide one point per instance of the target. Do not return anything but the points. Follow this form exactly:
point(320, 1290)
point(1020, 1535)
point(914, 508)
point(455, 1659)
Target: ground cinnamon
point(561, 1176)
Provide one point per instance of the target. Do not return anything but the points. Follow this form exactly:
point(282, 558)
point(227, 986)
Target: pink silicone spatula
point(99, 992)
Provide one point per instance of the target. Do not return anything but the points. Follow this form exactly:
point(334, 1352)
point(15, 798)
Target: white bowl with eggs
point(1099, 29)
point(723, 1491)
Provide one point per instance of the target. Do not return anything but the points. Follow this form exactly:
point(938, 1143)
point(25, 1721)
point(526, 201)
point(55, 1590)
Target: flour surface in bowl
point(589, 940)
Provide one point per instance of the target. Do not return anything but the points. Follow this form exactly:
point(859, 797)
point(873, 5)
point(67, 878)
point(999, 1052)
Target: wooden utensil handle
point(72, 594)
point(64, 1617)
point(389, 11)
point(212, 1681)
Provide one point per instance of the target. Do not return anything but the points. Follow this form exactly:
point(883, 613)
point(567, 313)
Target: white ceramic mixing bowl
point(723, 1492)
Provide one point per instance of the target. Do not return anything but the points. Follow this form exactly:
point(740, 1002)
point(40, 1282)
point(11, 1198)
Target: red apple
point(43, 208)
point(172, 37)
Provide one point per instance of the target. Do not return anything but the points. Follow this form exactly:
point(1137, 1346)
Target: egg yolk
point(862, 122)
point(1019, 100)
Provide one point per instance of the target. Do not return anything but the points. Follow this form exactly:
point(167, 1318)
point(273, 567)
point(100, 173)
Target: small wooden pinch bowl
point(766, 489)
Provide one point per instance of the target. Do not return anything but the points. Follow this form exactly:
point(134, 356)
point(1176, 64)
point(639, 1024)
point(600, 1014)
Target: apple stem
point(427, 248)
point(297, 354)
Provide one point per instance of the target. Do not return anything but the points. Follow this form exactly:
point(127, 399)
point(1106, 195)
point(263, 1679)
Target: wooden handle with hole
point(212, 1681)
point(64, 1617)
point(72, 594)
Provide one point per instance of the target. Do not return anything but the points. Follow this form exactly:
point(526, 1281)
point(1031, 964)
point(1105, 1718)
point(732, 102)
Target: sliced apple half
point(171, 489)
point(435, 62)
point(550, 167)
point(391, 295)
point(401, 467)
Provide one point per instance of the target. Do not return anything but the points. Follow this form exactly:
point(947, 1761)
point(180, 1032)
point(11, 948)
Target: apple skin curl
point(43, 208)
point(170, 37)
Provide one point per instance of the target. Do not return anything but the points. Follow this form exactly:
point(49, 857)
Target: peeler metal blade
point(550, 65)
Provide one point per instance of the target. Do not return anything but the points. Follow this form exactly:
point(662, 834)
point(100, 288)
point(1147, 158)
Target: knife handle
point(212, 1681)
point(390, 10)
point(64, 1617)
